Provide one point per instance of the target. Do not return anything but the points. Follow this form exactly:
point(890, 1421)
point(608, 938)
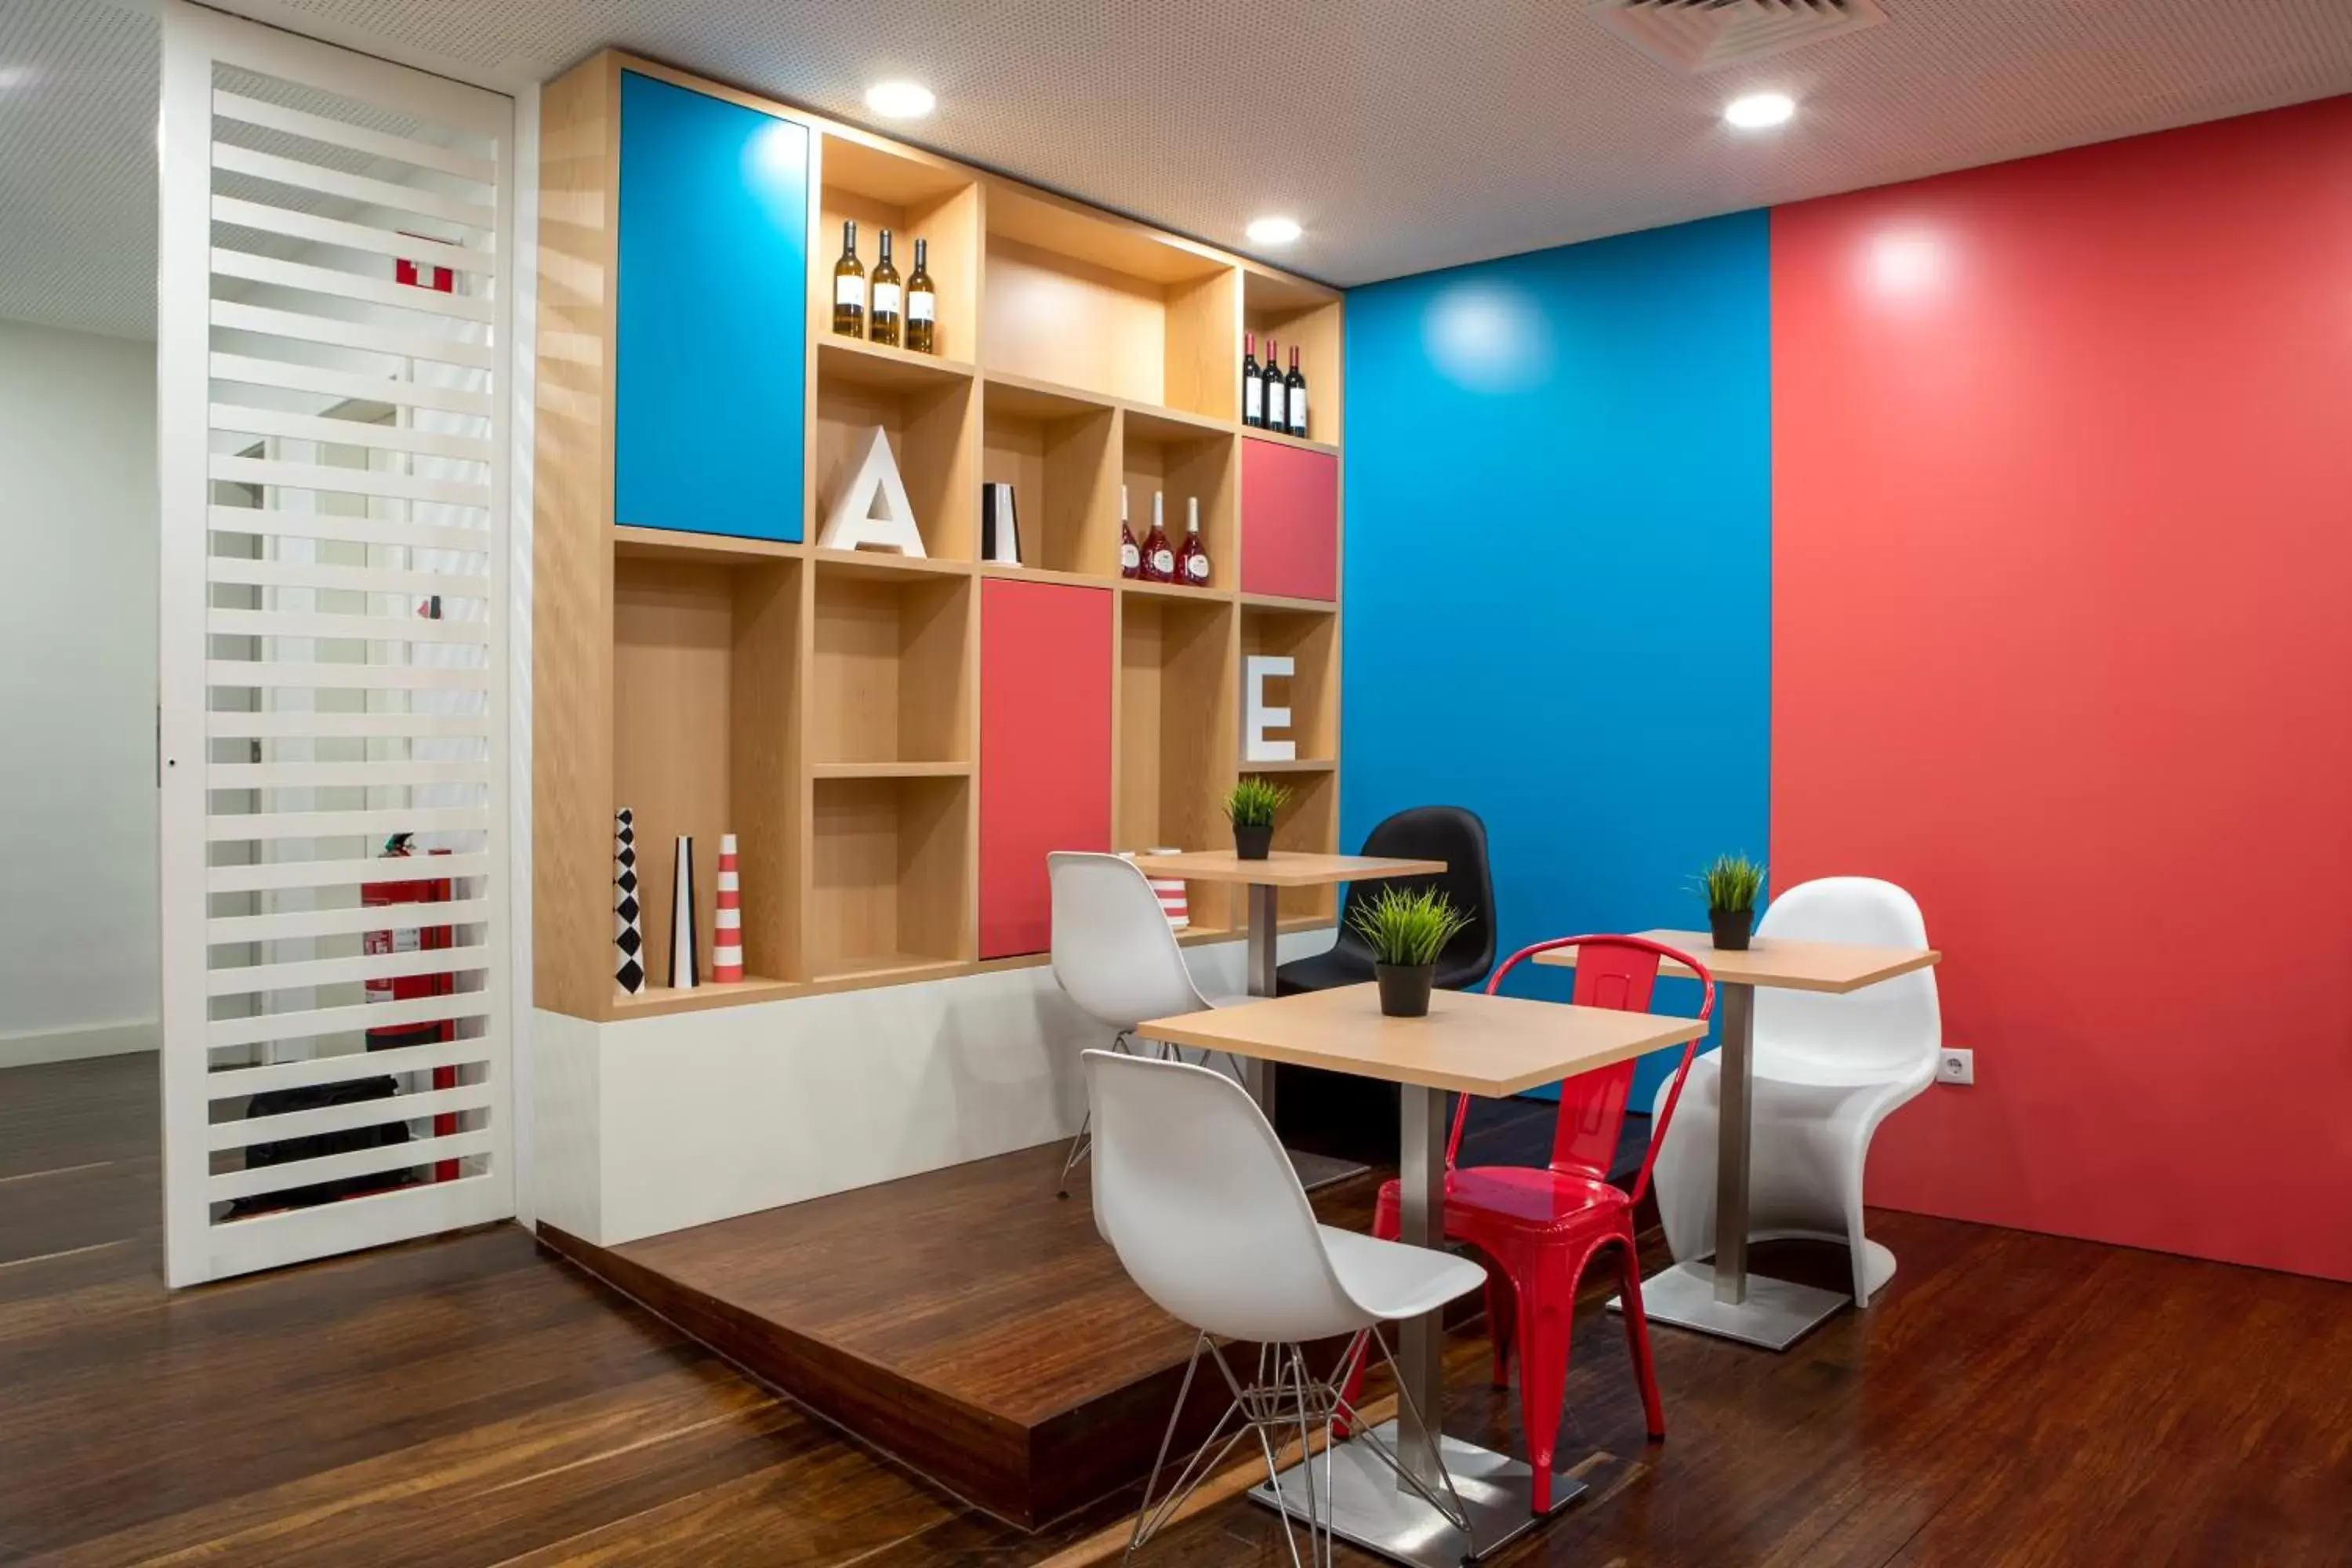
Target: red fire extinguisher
point(401, 988)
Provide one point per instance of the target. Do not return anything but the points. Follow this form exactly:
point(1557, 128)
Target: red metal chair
point(1539, 1229)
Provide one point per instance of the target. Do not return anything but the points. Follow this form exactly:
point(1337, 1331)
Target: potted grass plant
point(1407, 928)
point(1732, 884)
point(1250, 806)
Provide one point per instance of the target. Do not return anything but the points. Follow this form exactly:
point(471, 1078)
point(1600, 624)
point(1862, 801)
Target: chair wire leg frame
point(1082, 1144)
point(1284, 1399)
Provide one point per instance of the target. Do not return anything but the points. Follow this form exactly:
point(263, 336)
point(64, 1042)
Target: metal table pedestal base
point(1776, 1314)
point(1367, 1506)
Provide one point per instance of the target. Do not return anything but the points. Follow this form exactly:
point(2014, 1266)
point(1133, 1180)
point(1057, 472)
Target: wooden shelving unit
point(824, 706)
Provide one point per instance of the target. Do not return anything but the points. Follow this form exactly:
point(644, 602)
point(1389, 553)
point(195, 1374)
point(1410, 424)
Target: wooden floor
point(2012, 1399)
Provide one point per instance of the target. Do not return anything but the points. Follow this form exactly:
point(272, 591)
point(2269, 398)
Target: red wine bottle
point(1252, 389)
point(1130, 555)
point(1159, 556)
point(1295, 384)
point(1193, 560)
point(1277, 414)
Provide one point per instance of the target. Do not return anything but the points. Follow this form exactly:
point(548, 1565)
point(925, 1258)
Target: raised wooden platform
point(966, 1322)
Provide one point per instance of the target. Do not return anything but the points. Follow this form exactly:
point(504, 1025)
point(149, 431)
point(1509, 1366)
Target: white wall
point(77, 591)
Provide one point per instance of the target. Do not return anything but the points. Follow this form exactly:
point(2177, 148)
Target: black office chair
point(1356, 1117)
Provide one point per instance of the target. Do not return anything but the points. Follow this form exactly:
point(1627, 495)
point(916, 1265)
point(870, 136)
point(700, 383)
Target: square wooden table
point(1266, 879)
point(1475, 1043)
point(1722, 1297)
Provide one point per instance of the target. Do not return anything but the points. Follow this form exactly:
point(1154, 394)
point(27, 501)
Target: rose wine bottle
point(1277, 414)
point(849, 285)
point(1295, 384)
point(1193, 560)
point(1130, 555)
point(1159, 556)
point(882, 318)
point(1252, 389)
point(922, 303)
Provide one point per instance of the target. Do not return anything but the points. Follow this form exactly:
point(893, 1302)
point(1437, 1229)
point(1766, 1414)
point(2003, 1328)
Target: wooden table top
point(1471, 1043)
point(1831, 967)
point(1283, 868)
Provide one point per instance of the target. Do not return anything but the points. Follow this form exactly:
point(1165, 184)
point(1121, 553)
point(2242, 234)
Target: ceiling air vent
point(1702, 34)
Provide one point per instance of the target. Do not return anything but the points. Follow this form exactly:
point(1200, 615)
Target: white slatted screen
point(333, 329)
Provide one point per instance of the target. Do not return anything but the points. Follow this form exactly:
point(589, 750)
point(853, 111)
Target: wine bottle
point(1193, 561)
point(1295, 386)
point(882, 318)
point(922, 303)
point(849, 285)
point(1159, 556)
point(1277, 416)
point(1252, 389)
point(1130, 555)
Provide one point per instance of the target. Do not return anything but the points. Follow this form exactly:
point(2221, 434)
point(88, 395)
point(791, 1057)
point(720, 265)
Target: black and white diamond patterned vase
point(685, 956)
point(628, 935)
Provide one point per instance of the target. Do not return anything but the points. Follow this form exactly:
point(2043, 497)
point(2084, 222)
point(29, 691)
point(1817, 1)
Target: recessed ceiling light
point(900, 99)
point(1760, 111)
point(1272, 230)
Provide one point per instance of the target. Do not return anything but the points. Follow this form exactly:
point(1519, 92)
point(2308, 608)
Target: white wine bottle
point(922, 303)
point(882, 318)
point(849, 285)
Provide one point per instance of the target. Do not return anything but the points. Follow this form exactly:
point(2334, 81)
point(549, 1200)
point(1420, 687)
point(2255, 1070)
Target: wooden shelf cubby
point(1060, 455)
point(1178, 707)
point(892, 655)
point(929, 410)
point(1105, 305)
point(1300, 314)
point(704, 680)
point(916, 197)
point(890, 885)
point(1181, 460)
point(1311, 640)
point(825, 706)
point(1308, 823)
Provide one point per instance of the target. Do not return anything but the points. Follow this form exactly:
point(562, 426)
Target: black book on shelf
point(1000, 529)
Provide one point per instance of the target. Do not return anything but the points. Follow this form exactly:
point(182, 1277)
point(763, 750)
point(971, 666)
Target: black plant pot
point(1253, 843)
point(1730, 928)
point(1404, 988)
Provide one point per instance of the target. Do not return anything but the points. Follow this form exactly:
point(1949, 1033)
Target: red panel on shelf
point(1290, 521)
point(1044, 749)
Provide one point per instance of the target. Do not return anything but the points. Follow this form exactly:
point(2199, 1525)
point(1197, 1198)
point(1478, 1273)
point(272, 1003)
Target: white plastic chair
point(1193, 1191)
point(1116, 955)
point(1829, 1069)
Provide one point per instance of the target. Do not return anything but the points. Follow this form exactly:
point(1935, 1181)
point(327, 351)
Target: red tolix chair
point(1540, 1227)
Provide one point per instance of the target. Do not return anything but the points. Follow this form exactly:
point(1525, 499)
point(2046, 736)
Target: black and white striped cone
point(628, 936)
point(685, 957)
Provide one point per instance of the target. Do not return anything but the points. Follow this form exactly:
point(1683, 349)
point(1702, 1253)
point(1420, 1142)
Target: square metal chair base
point(1321, 1169)
point(1367, 1506)
point(1776, 1314)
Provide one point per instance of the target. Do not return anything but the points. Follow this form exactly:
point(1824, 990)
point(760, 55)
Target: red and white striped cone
point(727, 937)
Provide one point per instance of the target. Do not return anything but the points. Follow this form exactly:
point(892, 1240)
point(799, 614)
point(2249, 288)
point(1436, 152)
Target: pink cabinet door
point(1044, 749)
point(1290, 521)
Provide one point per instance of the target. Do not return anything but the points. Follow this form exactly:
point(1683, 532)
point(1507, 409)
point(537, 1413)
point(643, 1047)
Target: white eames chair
point(1195, 1193)
point(1116, 955)
point(1829, 1069)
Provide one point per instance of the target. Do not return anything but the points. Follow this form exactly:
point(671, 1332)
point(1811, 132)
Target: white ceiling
point(1405, 134)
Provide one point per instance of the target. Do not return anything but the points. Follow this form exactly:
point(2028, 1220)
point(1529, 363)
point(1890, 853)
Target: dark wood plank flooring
point(962, 1320)
point(2013, 1399)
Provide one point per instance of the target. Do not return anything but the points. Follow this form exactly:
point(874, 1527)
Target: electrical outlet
point(1954, 1065)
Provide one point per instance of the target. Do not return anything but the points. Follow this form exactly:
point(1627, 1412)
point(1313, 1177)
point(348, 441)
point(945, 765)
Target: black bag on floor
point(288, 1151)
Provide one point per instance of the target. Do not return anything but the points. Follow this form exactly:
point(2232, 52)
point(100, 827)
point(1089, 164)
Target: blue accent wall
point(1559, 571)
point(713, 315)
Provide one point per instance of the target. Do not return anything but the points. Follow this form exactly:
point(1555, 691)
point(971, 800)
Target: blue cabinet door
point(712, 325)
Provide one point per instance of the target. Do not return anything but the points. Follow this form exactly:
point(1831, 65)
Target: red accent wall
point(1290, 520)
point(1044, 749)
point(2062, 642)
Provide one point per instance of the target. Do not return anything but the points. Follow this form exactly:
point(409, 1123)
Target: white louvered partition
point(334, 476)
